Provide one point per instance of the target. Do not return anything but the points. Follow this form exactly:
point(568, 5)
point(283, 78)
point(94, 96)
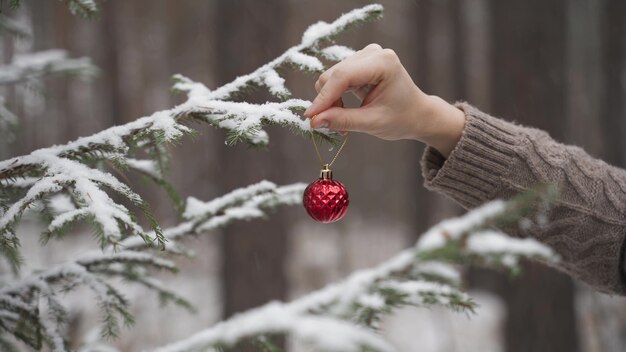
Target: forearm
point(496, 159)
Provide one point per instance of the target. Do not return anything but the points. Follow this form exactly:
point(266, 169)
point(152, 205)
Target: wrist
point(443, 124)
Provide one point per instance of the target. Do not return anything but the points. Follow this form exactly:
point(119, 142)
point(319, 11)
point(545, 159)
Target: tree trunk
point(250, 33)
point(528, 86)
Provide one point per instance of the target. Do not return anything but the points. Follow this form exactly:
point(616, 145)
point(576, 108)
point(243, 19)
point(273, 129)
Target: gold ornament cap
point(326, 173)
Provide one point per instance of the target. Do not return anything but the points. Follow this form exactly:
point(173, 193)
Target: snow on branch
point(40, 64)
point(8, 120)
point(14, 27)
point(424, 275)
point(320, 332)
point(302, 55)
point(94, 268)
point(32, 67)
point(246, 203)
point(30, 308)
point(82, 8)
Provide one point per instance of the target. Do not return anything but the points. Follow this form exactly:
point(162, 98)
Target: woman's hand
point(392, 107)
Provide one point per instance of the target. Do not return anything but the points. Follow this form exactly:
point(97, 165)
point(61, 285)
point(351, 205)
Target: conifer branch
point(22, 298)
point(43, 63)
point(32, 302)
point(251, 202)
point(421, 276)
point(14, 27)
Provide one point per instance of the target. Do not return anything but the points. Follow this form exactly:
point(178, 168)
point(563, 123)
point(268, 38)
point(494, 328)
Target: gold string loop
point(319, 156)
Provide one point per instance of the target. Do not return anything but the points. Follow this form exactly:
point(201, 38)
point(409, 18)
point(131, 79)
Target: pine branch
point(32, 67)
point(415, 276)
point(13, 27)
point(312, 38)
point(246, 203)
point(44, 320)
point(40, 64)
point(92, 269)
point(83, 8)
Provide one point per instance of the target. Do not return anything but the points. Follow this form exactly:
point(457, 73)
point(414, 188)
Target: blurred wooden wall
point(555, 64)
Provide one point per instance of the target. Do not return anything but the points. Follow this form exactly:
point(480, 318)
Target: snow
point(323, 30)
point(39, 64)
point(82, 7)
point(306, 62)
point(241, 204)
point(325, 333)
point(196, 208)
point(373, 301)
point(43, 186)
point(149, 167)
point(36, 293)
point(439, 269)
point(494, 242)
point(439, 329)
point(7, 118)
point(61, 203)
point(85, 185)
point(441, 233)
point(310, 40)
point(246, 118)
point(60, 220)
point(245, 204)
point(39, 59)
point(275, 83)
point(415, 289)
point(337, 52)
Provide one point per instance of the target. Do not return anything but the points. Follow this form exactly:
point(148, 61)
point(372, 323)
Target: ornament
point(326, 200)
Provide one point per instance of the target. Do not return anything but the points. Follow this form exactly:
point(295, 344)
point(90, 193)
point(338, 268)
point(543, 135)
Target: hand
point(392, 106)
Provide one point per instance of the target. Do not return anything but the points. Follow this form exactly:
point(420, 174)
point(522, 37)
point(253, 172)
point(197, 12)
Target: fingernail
point(307, 111)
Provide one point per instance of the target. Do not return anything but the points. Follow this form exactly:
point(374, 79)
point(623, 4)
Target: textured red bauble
point(326, 200)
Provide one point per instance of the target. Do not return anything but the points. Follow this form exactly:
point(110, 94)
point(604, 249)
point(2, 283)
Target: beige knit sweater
point(498, 159)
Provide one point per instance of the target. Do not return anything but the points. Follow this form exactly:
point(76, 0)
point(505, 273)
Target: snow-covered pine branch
point(82, 8)
point(73, 168)
point(427, 274)
point(94, 269)
point(245, 203)
point(14, 27)
point(36, 65)
point(32, 67)
point(31, 310)
point(304, 56)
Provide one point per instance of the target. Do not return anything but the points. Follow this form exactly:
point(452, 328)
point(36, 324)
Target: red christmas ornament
point(325, 199)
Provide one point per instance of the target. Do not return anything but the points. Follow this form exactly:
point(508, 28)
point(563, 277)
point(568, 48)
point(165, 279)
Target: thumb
point(342, 119)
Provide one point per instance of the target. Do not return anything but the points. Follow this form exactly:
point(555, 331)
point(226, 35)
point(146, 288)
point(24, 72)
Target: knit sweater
point(498, 159)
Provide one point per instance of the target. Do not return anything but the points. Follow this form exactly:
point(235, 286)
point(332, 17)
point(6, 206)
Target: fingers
point(344, 119)
point(366, 67)
point(345, 75)
point(359, 54)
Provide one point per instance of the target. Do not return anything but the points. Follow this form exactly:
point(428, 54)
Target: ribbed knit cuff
point(483, 155)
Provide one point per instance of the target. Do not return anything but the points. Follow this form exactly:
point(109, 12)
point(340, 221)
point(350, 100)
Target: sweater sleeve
point(498, 159)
